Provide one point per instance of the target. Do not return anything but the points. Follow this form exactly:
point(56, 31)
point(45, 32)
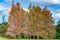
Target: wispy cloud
point(47, 2)
point(56, 16)
point(8, 0)
point(4, 10)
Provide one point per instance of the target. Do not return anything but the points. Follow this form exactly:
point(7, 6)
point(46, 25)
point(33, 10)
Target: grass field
point(27, 39)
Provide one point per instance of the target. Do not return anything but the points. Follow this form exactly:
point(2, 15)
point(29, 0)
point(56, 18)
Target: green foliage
point(3, 28)
point(58, 30)
point(58, 22)
point(58, 26)
point(57, 35)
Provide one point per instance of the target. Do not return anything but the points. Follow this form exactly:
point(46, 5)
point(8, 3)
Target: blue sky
point(52, 5)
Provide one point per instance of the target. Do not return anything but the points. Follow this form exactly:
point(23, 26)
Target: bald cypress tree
point(41, 22)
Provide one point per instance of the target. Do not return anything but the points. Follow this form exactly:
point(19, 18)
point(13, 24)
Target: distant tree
point(30, 7)
point(3, 19)
point(58, 26)
point(58, 30)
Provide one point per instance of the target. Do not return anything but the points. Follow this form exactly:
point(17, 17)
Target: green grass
point(27, 39)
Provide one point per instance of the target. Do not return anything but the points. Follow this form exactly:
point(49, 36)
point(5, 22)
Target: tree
point(3, 18)
point(41, 23)
point(58, 30)
point(58, 26)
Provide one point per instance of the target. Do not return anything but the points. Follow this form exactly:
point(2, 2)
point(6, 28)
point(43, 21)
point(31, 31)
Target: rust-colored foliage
point(35, 22)
point(41, 22)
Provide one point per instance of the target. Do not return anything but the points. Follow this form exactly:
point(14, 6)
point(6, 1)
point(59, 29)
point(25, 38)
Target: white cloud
point(46, 1)
point(8, 0)
point(25, 9)
point(4, 10)
point(56, 16)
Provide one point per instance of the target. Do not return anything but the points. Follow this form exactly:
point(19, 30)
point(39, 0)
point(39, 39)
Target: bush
point(57, 35)
point(3, 27)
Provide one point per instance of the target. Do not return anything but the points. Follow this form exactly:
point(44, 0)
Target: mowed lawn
point(26, 39)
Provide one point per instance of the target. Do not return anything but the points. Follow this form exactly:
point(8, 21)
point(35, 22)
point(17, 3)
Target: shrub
point(3, 27)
